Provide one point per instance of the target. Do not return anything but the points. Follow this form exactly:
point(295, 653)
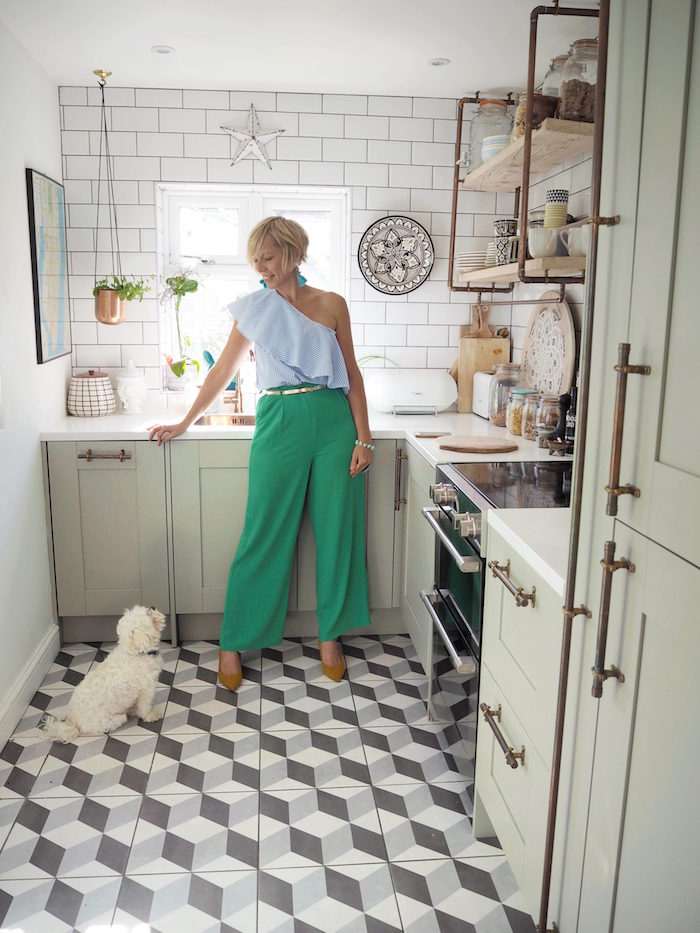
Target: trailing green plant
point(128, 287)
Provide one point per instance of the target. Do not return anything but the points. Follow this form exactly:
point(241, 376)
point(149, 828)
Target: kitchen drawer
point(522, 644)
point(514, 798)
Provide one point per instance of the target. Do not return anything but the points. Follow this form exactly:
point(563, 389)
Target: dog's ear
point(140, 640)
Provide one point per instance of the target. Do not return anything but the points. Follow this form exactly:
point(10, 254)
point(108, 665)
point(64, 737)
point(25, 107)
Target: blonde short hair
point(287, 235)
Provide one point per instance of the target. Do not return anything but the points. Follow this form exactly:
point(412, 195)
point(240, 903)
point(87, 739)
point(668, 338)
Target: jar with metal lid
point(546, 418)
point(514, 410)
point(507, 377)
point(578, 81)
point(491, 119)
point(552, 80)
point(529, 413)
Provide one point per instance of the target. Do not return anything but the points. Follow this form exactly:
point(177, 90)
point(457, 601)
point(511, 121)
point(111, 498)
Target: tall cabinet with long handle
point(625, 856)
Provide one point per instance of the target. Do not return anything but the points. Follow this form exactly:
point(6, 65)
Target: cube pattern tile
point(294, 804)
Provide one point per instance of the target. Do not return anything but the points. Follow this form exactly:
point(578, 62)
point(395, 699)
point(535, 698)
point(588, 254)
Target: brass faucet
point(235, 398)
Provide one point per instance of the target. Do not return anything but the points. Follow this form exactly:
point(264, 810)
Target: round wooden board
point(475, 444)
point(549, 349)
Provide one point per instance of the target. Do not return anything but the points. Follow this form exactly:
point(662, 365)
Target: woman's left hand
point(361, 459)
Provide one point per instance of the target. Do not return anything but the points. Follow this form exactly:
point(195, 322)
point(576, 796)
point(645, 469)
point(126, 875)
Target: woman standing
point(311, 442)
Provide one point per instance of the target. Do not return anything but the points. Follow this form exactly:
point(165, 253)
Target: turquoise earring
point(300, 278)
point(263, 283)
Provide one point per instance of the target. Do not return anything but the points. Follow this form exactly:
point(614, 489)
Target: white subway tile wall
point(396, 153)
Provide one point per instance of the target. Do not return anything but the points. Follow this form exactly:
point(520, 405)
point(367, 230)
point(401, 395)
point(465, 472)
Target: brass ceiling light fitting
point(110, 303)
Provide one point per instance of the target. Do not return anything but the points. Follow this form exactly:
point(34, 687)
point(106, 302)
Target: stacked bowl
point(556, 207)
point(492, 145)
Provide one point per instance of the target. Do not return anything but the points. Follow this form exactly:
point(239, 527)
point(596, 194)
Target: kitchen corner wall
point(31, 395)
point(396, 154)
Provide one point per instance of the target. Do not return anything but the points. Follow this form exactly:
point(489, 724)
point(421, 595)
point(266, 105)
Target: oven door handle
point(461, 665)
point(465, 564)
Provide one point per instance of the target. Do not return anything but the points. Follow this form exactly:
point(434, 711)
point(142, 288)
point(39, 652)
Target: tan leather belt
point(292, 391)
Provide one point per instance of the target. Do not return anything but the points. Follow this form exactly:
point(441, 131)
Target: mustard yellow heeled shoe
point(333, 671)
point(230, 681)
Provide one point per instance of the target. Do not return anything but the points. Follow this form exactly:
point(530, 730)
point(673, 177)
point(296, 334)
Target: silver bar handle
point(502, 572)
point(462, 666)
point(89, 455)
point(465, 564)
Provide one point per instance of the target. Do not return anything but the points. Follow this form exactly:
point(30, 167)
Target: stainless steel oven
point(463, 494)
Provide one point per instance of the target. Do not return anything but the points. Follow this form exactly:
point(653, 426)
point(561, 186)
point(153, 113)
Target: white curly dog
point(124, 684)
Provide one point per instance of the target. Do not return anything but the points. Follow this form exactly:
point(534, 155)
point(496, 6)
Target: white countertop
point(121, 427)
point(541, 536)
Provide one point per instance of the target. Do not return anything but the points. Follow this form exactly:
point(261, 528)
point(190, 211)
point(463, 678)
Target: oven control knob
point(467, 524)
point(443, 493)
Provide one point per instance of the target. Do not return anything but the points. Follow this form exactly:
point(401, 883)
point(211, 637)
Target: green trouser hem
point(301, 451)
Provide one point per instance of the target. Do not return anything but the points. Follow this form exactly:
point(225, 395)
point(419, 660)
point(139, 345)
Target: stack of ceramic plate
point(492, 145)
point(470, 260)
point(491, 253)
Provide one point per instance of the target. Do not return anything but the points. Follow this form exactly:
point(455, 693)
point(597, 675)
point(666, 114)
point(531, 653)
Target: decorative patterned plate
point(549, 351)
point(396, 255)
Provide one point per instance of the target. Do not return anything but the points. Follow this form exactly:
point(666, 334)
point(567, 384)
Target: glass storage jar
point(546, 418)
point(552, 80)
point(514, 410)
point(491, 119)
point(529, 412)
point(507, 377)
point(578, 80)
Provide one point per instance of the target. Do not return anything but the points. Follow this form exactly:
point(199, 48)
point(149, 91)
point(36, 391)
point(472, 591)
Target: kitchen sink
point(225, 421)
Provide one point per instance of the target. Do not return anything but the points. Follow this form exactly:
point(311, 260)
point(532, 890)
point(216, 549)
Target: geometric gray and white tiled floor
point(294, 804)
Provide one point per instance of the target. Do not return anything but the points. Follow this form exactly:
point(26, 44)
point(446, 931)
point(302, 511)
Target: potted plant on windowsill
point(112, 293)
point(177, 286)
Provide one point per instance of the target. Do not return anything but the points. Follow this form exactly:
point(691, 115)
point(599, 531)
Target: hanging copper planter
point(109, 307)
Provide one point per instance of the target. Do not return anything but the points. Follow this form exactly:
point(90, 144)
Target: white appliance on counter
point(480, 394)
point(410, 391)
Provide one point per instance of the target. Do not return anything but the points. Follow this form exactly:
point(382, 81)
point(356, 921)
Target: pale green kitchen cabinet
point(419, 556)
point(209, 489)
point(109, 526)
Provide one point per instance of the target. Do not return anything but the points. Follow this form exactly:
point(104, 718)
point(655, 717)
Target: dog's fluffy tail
point(60, 730)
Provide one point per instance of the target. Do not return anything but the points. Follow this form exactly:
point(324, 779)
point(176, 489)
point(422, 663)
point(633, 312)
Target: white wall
point(31, 394)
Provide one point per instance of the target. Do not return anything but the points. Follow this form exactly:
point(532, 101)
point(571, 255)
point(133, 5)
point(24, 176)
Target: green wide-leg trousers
point(301, 451)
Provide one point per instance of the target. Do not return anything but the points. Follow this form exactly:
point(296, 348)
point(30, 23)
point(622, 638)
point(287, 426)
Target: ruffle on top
point(290, 348)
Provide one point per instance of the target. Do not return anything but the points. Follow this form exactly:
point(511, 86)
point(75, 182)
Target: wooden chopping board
point(476, 444)
point(549, 348)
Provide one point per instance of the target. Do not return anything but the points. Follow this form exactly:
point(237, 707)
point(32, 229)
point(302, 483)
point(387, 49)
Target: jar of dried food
point(506, 377)
point(552, 80)
point(578, 80)
point(491, 119)
point(546, 418)
point(514, 410)
point(529, 412)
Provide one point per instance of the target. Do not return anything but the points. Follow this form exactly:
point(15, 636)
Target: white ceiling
point(334, 46)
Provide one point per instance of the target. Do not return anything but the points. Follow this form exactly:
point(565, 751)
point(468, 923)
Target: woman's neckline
point(294, 307)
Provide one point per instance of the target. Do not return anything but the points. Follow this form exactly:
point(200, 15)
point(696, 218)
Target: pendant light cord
point(111, 205)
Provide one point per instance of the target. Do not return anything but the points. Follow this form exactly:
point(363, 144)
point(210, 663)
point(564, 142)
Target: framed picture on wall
point(47, 235)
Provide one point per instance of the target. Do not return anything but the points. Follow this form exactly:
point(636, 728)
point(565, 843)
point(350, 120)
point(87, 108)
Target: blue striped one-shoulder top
point(290, 348)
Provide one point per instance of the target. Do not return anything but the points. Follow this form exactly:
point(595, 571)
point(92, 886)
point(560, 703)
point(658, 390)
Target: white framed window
point(205, 228)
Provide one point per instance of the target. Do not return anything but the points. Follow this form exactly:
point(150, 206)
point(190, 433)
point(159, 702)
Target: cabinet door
point(419, 556)
point(109, 527)
point(382, 536)
point(209, 493)
point(661, 452)
point(640, 869)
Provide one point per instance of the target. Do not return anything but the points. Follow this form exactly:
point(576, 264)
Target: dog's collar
point(151, 654)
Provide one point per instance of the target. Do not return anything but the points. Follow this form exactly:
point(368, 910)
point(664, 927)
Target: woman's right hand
point(162, 433)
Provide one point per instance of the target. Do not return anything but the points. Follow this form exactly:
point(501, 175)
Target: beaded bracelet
point(359, 443)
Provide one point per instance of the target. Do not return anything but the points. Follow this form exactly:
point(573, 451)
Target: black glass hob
point(534, 484)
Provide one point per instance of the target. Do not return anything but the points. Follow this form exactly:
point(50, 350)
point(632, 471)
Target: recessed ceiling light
point(439, 62)
point(162, 49)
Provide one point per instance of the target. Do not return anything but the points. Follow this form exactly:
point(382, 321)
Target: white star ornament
point(251, 140)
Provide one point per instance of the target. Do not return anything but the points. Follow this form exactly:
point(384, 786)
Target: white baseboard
point(28, 682)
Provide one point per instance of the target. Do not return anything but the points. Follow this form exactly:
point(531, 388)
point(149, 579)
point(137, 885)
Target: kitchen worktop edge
point(541, 537)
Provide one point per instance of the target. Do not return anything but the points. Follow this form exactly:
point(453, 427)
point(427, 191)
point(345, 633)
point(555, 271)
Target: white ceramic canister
point(90, 395)
point(132, 389)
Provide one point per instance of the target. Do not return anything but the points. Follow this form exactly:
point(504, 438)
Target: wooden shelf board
point(499, 275)
point(553, 142)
